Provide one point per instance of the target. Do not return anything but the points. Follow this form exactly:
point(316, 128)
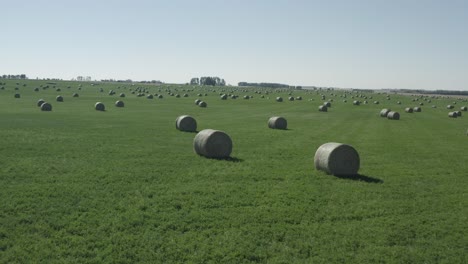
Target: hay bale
point(186, 123)
point(323, 108)
point(409, 110)
point(40, 102)
point(453, 114)
point(417, 109)
point(17, 95)
point(393, 115)
point(299, 98)
point(35, 89)
point(46, 107)
point(290, 98)
point(197, 101)
point(59, 98)
point(376, 102)
point(99, 106)
point(463, 108)
point(160, 96)
point(384, 112)
point(279, 99)
point(122, 95)
point(223, 97)
point(450, 106)
point(202, 104)
point(337, 159)
point(398, 102)
point(119, 103)
point(327, 104)
point(277, 122)
point(212, 144)
point(459, 113)
point(355, 102)
point(75, 95)
point(149, 96)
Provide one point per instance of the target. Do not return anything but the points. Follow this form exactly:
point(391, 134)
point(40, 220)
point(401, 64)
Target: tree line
point(269, 85)
point(213, 81)
point(14, 76)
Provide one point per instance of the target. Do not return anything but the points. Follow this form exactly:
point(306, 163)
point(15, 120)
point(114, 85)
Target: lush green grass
point(124, 186)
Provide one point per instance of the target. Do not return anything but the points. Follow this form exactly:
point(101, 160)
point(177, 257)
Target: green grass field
point(124, 186)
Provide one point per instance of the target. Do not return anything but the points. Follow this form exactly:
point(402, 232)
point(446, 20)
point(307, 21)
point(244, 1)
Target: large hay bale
point(450, 106)
point(46, 107)
point(463, 108)
point(409, 110)
point(121, 95)
point(75, 95)
point(197, 101)
point(186, 123)
point(212, 144)
point(417, 109)
point(459, 113)
point(337, 159)
point(99, 106)
point(202, 104)
point(40, 102)
point(323, 108)
point(17, 95)
point(149, 96)
point(119, 103)
point(355, 102)
point(279, 99)
point(59, 98)
point(453, 114)
point(327, 104)
point(393, 115)
point(277, 122)
point(384, 112)
point(290, 98)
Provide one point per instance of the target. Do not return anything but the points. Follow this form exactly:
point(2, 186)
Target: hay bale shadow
point(360, 177)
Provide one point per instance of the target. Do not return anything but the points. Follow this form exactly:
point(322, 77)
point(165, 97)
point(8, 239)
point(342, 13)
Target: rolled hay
point(149, 96)
point(453, 114)
point(337, 159)
point(464, 108)
point(197, 101)
point(212, 144)
point(36, 89)
point(17, 95)
point(99, 106)
point(290, 98)
point(246, 97)
point(384, 112)
point(75, 95)
point(160, 96)
point(409, 110)
point(122, 95)
point(40, 102)
point(459, 113)
point(356, 102)
point(327, 104)
point(398, 102)
point(376, 102)
point(450, 106)
point(279, 99)
point(223, 97)
point(202, 104)
point(119, 103)
point(421, 104)
point(417, 109)
point(177, 95)
point(46, 107)
point(186, 123)
point(393, 115)
point(277, 122)
point(299, 98)
point(59, 98)
point(323, 108)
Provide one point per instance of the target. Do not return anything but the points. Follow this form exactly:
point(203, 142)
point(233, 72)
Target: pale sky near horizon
point(337, 43)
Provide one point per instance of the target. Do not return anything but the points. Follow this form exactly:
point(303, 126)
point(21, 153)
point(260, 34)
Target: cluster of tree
point(213, 81)
point(441, 92)
point(269, 85)
point(13, 76)
point(82, 78)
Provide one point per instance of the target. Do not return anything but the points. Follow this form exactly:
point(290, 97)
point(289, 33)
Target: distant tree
point(195, 81)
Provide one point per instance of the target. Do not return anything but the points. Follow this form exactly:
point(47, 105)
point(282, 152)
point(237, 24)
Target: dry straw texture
point(337, 159)
point(277, 122)
point(212, 144)
point(384, 112)
point(393, 115)
point(186, 123)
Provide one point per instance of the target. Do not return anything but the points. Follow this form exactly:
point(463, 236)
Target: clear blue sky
point(348, 43)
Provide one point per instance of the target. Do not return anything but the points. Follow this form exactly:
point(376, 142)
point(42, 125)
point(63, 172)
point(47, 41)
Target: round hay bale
point(409, 110)
point(46, 107)
point(398, 102)
point(376, 102)
point(356, 102)
point(59, 98)
point(119, 103)
point(323, 108)
point(450, 106)
point(299, 98)
point(197, 101)
point(246, 97)
point(464, 108)
point(75, 95)
point(122, 95)
point(393, 115)
point(149, 96)
point(212, 144)
point(17, 95)
point(384, 112)
point(40, 102)
point(337, 159)
point(202, 104)
point(223, 97)
point(186, 123)
point(99, 106)
point(453, 114)
point(35, 89)
point(160, 96)
point(277, 122)
point(290, 98)
point(327, 104)
point(459, 113)
point(417, 109)
point(279, 99)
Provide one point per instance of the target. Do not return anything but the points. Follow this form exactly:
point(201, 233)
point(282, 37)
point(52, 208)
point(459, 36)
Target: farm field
point(124, 186)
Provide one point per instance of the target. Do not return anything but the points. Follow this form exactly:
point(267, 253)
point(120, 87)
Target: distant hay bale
point(323, 108)
point(75, 95)
point(177, 95)
point(119, 103)
point(277, 122)
point(185, 95)
point(453, 114)
point(160, 96)
point(327, 104)
point(17, 95)
point(46, 107)
point(223, 97)
point(393, 115)
point(122, 95)
point(186, 123)
point(149, 96)
point(337, 159)
point(212, 144)
point(36, 89)
point(202, 104)
point(279, 99)
point(459, 113)
point(398, 102)
point(417, 109)
point(99, 106)
point(40, 102)
point(376, 102)
point(59, 98)
point(246, 97)
point(290, 98)
point(463, 108)
point(384, 112)
point(197, 101)
point(409, 110)
point(355, 102)
point(450, 106)
point(298, 98)
point(434, 106)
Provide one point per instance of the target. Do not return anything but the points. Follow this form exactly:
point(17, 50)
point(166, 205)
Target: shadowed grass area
point(124, 186)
